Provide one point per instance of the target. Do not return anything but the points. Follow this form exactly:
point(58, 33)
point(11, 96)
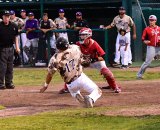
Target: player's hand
point(18, 50)
point(43, 89)
point(134, 36)
point(146, 42)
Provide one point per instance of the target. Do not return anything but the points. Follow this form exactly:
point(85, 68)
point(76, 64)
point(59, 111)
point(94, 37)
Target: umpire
point(8, 37)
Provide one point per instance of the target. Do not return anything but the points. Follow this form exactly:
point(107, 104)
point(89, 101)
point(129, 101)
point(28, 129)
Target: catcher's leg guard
point(108, 75)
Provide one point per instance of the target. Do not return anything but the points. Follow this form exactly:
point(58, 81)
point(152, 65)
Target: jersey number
point(70, 65)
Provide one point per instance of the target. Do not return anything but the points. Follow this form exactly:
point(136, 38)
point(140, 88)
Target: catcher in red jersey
point(93, 55)
point(68, 63)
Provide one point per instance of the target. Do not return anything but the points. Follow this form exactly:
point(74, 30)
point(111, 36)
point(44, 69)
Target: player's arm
point(132, 24)
point(47, 81)
point(111, 25)
point(145, 37)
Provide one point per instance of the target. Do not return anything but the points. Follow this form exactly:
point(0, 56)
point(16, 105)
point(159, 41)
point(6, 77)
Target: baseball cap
point(61, 10)
point(78, 14)
point(30, 14)
point(23, 10)
point(6, 12)
point(152, 17)
point(122, 8)
point(12, 12)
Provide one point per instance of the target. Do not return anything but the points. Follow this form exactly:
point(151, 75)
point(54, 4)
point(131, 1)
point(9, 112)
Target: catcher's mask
point(84, 34)
point(62, 43)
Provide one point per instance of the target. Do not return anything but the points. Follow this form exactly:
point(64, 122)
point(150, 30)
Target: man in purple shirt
point(32, 38)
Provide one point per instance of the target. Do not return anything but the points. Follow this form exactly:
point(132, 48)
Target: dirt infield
point(138, 98)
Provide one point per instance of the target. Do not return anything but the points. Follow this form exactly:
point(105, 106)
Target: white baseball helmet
point(84, 34)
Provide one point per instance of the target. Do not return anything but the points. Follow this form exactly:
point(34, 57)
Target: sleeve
point(52, 24)
point(113, 22)
point(36, 25)
point(144, 35)
point(52, 65)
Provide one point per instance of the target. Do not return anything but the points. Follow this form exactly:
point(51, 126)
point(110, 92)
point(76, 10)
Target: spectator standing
point(150, 37)
point(9, 36)
point(32, 38)
point(62, 23)
point(123, 21)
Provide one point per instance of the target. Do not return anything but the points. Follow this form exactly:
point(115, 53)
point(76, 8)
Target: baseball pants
point(117, 54)
point(84, 83)
point(6, 65)
point(150, 54)
point(124, 55)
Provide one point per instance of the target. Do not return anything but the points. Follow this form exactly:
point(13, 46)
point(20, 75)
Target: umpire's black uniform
point(8, 32)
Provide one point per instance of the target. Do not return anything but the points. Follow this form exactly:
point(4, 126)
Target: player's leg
point(34, 43)
point(108, 75)
point(128, 35)
point(24, 40)
point(150, 54)
point(117, 54)
point(26, 49)
point(83, 82)
point(53, 45)
point(124, 58)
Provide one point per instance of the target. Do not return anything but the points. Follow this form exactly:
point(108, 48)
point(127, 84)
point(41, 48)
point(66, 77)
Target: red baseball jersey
point(93, 49)
point(152, 34)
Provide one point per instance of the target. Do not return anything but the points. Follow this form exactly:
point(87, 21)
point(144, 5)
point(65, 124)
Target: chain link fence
point(150, 3)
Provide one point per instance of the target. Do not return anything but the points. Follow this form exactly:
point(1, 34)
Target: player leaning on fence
point(150, 37)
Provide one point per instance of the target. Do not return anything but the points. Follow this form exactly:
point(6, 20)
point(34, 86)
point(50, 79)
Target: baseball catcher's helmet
point(85, 33)
point(62, 43)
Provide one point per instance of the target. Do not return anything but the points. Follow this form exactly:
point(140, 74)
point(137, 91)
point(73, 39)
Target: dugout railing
point(100, 35)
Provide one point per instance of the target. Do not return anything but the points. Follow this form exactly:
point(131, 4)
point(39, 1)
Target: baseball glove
point(85, 62)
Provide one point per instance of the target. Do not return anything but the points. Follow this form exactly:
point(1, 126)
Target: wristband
point(45, 84)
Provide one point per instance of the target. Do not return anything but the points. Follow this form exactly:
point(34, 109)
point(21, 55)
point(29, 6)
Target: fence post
point(106, 45)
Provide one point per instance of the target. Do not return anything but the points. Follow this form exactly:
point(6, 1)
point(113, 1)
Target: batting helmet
point(84, 34)
point(62, 43)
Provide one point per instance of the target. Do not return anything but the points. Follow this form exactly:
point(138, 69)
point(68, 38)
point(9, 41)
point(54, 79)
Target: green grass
point(2, 107)
point(79, 119)
point(36, 76)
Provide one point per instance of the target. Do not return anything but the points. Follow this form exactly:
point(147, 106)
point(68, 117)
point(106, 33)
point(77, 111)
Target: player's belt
point(73, 79)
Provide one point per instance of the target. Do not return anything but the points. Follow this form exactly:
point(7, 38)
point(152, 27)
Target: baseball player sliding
point(68, 63)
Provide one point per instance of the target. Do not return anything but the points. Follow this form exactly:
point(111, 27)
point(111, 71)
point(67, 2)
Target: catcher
point(68, 63)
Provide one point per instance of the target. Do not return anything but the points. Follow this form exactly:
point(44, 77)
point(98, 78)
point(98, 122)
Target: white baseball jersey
point(67, 63)
point(18, 21)
point(61, 23)
point(123, 40)
point(126, 22)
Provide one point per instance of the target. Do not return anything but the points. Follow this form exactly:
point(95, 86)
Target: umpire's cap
point(22, 10)
point(62, 43)
point(122, 8)
point(6, 12)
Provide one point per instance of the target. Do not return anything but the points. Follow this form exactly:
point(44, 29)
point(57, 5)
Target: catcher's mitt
point(85, 62)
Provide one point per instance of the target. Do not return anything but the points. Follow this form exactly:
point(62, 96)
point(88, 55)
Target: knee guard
point(108, 75)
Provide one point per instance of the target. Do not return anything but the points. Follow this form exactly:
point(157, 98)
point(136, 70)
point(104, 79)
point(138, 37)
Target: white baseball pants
point(124, 55)
point(84, 83)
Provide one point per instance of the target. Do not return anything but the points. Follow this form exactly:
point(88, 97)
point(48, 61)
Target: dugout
point(96, 12)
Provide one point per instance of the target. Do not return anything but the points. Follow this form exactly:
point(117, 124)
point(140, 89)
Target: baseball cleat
point(117, 90)
point(88, 101)
point(64, 90)
point(43, 89)
point(80, 99)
